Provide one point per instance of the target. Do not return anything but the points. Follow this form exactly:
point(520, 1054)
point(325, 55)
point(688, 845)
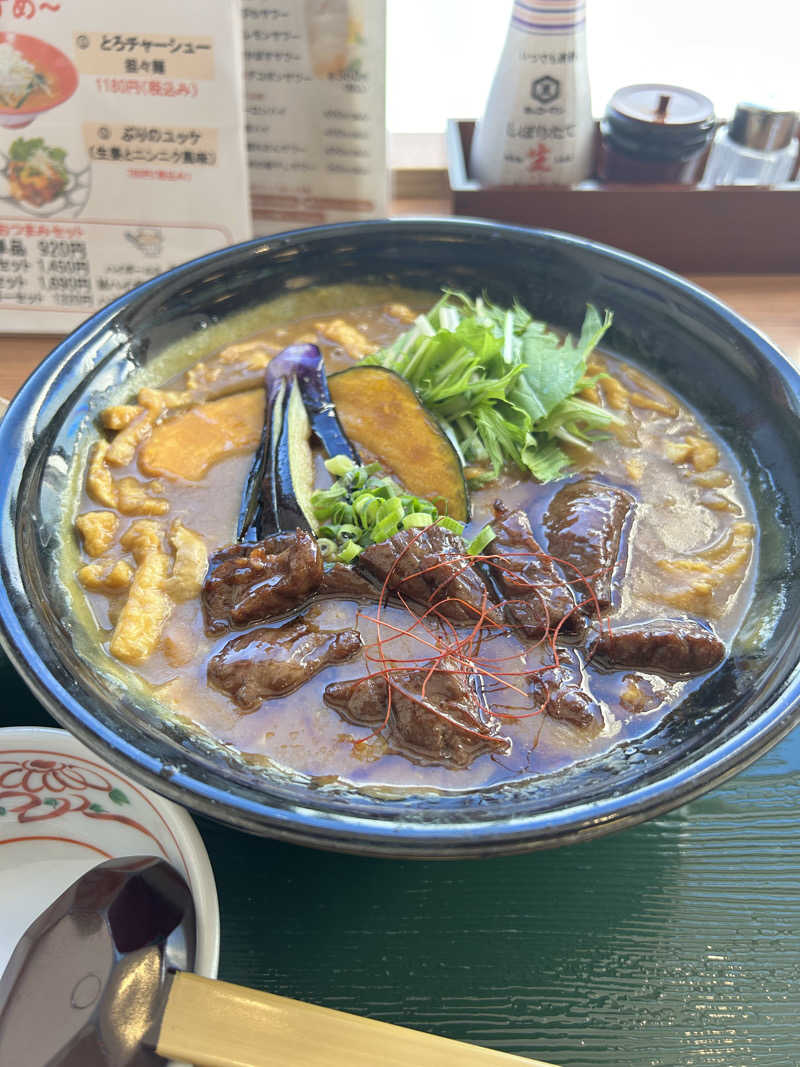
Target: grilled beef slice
point(585, 522)
point(272, 662)
point(537, 597)
point(343, 582)
point(257, 582)
point(428, 565)
point(557, 691)
point(668, 647)
point(447, 725)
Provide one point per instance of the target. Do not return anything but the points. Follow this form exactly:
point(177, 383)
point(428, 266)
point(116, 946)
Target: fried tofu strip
point(696, 597)
point(99, 484)
point(352, 340)
point(98, 529)
point(615, 393)
point(123, 447)
point(135, 498)
point(190, 566)
point(641, 400)
point(118, 416)
point(237, 367)
point(141, 538)
point(255, 355)
point(400, 311)
point(705, 453)
point(105, 576)
point(719, 502)
point(148, 607)
point(677, 451)
point(713, 479)
point(698, 451)
point(703, 573)
point(158, 400)
point(652, 396)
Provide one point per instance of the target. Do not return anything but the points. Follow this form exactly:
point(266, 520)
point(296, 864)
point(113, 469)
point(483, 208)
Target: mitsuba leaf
point(502, 382)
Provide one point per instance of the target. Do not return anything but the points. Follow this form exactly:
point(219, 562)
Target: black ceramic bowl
point(733, 375)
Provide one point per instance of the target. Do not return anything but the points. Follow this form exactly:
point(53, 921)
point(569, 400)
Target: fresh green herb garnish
point(364, 507)
point(502, 384)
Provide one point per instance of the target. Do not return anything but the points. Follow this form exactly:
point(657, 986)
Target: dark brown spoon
point(98, 980)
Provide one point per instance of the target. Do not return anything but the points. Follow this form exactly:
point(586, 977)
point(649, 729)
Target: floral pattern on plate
point(63, 810)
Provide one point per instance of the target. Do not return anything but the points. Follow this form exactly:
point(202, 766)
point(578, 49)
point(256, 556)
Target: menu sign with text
point(315, 111)
point(122, 149)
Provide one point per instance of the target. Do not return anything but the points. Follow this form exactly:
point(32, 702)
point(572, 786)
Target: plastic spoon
point(99, 980)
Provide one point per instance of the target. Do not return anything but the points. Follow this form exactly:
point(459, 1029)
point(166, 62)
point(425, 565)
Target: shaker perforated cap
point(762, 129)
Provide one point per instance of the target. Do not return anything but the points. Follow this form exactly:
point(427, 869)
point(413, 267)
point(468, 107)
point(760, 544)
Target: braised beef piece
point(660, 647)
point(272, 662)
point(538, 599)
point(446, 726)
point(261, 581)
point(585, 523)
point(428, 566)
point(341, 580)
point(557, 691)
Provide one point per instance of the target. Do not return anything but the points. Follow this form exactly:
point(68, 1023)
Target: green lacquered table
point(674, 943)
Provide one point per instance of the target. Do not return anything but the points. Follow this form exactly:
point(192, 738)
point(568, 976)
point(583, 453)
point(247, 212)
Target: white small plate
point(63, 810)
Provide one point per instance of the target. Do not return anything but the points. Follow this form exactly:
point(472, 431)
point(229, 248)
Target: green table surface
point(673, 943)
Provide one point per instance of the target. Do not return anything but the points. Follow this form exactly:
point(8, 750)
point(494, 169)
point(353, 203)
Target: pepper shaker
point(758, 147)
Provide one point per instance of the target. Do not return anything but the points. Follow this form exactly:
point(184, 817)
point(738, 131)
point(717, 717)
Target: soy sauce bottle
point(537, 128)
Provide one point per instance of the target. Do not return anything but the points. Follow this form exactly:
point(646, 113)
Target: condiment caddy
point(687, 228)
point(659, 175)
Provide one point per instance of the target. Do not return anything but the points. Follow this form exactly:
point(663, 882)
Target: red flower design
point(36, 788)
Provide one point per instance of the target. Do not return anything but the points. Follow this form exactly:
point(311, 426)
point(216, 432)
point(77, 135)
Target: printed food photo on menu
point(122, 150)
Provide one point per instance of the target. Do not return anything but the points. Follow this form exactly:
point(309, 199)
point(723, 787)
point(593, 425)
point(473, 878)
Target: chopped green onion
point(349, 552)
point(328, 547)
point(349, 531)
point(417, 518)
point(339, 465)
point(453, 525)
point(481, 539)
point(366, 506)
point(386, 528)
point(386, 488)
point(363, 507)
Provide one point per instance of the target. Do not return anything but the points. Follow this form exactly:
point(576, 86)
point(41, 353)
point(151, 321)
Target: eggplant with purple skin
point(277, 494)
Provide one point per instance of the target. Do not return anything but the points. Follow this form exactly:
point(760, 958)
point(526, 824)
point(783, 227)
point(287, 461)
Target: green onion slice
point(364, 506)
point(481, 539)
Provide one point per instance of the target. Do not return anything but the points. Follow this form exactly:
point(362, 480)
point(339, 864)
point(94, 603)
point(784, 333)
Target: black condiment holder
point(725, 230)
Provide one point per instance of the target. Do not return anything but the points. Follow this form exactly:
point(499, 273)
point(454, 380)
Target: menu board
point(315, 111)
point(122, 149)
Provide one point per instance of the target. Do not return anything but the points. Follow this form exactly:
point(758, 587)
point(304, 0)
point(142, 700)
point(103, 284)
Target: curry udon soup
point(410, 653)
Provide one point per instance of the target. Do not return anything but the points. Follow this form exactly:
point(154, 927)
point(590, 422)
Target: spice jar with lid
point(655, 133)
point(758, 147)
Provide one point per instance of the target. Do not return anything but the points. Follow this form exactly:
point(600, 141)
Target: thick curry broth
point(689, 556)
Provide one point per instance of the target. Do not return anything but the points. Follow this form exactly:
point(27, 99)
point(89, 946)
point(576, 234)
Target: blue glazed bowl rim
point(304, 823)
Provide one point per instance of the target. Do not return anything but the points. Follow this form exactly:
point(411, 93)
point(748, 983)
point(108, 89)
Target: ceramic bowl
point(63, 810)
point(720, 364)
